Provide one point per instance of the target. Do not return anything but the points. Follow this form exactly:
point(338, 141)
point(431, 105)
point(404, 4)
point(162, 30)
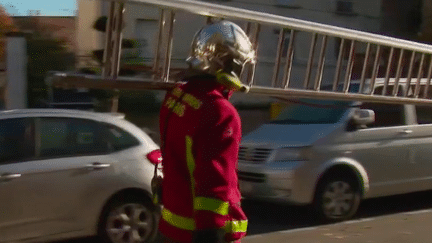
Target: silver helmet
point(221, 46)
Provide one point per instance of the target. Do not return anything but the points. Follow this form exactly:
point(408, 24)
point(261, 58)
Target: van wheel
point(127, 220)
point(337, 198)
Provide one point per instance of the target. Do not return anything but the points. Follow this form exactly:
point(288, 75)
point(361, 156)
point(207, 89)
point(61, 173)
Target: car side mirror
point(363, 117)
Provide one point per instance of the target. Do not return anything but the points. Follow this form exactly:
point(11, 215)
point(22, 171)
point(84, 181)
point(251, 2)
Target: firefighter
point(200, 136)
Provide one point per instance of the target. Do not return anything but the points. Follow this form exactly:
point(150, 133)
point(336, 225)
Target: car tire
point(128, 219)
point(337, 198)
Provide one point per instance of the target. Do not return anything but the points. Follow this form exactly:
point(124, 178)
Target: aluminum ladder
point(402, 69)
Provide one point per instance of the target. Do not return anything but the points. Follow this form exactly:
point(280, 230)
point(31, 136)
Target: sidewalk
point(398, 228)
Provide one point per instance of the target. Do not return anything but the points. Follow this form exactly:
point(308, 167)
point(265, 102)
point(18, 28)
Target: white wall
point(87, 38)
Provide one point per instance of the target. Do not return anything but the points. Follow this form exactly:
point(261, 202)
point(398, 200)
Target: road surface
point(396, 219)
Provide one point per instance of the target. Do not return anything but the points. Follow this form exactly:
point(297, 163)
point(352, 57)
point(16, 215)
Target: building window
point(344, 8)
point(146, 31)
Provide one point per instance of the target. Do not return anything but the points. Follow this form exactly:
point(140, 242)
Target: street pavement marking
point(419, 212)
point(298, 230)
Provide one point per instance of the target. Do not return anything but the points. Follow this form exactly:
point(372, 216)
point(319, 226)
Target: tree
point(45, 53)
point(6, 25)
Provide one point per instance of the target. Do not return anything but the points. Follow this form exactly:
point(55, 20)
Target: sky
point(46, 7)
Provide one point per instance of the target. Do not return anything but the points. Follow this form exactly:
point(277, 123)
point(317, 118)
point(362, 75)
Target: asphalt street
point(397, 219)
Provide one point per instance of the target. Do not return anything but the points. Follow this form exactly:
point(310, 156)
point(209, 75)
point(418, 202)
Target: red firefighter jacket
point(200, 140)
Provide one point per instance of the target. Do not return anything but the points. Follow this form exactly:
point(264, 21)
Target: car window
point(121, 139)
point(16, 140)
point(71, 137)
point(386, 115)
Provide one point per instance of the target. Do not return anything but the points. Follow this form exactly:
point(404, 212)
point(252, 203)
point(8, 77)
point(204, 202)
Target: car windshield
point(312, 111)
point(307, 111)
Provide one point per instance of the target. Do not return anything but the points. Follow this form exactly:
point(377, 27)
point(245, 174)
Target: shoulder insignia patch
point(228, 132)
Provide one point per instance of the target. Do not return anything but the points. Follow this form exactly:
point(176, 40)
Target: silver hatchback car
point(332, 154)
point(66, 174)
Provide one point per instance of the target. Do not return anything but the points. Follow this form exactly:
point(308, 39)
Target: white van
point(332, 154)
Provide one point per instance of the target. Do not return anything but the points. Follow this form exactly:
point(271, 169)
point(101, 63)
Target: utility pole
point(16, 68)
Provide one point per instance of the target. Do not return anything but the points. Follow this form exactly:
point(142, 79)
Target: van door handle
point(97, 166)
point(406, 131)
point(9, 176)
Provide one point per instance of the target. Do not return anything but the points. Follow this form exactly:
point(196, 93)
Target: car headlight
point(287, 154)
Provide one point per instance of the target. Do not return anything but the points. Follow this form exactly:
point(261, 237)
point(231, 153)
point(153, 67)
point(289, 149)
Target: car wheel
point(128, 220)
point(337, 198)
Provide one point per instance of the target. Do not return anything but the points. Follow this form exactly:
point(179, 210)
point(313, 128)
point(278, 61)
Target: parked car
point(332, 154)
point(67, 174)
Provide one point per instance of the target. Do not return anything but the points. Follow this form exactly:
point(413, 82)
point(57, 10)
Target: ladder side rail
point(328, 95)
point(92, 81)
point(228, 12)
point(61, 80)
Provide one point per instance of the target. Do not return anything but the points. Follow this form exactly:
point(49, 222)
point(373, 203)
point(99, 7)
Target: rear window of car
point(120, 139)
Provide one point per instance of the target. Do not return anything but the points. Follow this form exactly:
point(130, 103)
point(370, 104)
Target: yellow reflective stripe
point(236, 226)
point(178, 221)
point(190, 163)
point(210, 204)
point(202, 203)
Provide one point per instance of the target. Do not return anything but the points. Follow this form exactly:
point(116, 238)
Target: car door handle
point(406, 131)
point(97, 166)
point(9, 176)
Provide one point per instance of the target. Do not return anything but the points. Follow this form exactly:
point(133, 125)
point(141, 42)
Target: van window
point(386, 115)
point(424, 114)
